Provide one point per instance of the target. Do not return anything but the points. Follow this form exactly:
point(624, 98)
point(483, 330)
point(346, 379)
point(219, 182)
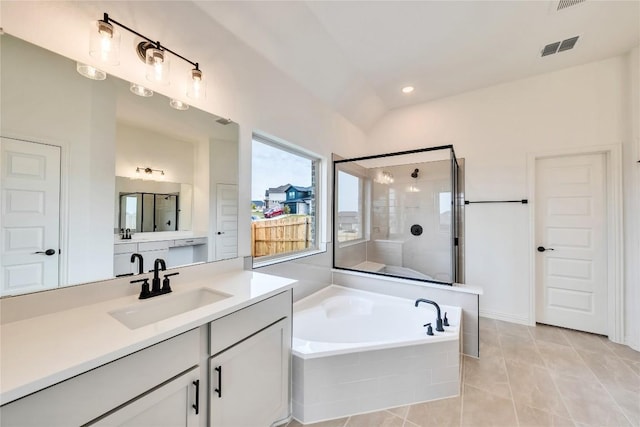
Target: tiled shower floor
point(542, 376)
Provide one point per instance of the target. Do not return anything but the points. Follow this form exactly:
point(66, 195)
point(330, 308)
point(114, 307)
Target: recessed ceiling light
point(407, 89)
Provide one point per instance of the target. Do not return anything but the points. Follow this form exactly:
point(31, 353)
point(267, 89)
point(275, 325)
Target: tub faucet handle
point(445, 321)
point(429, 328)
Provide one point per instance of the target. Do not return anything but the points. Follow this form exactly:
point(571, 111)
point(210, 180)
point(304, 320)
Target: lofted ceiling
point(357, 55)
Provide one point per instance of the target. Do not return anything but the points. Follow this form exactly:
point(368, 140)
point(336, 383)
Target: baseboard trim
point(506, 317)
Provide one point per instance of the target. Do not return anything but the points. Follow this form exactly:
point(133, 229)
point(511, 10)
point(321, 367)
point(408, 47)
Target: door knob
point(48, 252)
point(542, 249)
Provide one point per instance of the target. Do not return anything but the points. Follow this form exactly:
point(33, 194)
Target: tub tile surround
point(464, 296)
point(330, 381)
point(603, 391)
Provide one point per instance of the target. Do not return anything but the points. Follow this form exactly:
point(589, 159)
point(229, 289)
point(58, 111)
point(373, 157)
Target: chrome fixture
point(148, 170)
point(104, 45)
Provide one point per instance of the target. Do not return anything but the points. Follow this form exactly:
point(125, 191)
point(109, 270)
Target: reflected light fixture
point(407, 89)
point(140, 90)
point(385, 178)
point(90, 72)
point(104, 45)
point(148, 170)
point(178, 105)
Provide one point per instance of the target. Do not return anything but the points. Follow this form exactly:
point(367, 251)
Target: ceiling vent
point(563, 4)
point(556, 47)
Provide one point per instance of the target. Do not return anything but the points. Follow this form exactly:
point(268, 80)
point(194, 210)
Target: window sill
point(285, 258)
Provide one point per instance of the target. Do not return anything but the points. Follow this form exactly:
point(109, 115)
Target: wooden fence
point(280, 235)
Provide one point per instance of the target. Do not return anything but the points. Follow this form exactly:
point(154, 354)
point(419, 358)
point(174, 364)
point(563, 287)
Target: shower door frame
point(457, 208)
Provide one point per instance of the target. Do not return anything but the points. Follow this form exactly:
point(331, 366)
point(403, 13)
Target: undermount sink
point(165, 306)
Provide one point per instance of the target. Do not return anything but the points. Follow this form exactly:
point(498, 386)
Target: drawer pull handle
point(196, 405)
point(219, 389)
point(188, 241)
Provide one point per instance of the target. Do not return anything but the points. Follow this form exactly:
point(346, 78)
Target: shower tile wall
point(407, 201)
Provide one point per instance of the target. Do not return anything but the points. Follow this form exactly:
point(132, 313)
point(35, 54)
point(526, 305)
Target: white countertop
point(41, 351)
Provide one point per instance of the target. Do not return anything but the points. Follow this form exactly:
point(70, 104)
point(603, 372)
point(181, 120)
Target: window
point(286, 179)
point(350, 207)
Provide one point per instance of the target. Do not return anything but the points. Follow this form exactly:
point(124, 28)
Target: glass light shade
point(157, 66)
point(178, 105)
point(197, 87)
point(104, 43)
point(90, 72)
point(140, 90)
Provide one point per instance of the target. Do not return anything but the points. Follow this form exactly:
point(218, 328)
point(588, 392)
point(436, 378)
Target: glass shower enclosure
point(401, 215)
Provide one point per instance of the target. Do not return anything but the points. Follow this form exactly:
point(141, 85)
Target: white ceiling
point(357, 55)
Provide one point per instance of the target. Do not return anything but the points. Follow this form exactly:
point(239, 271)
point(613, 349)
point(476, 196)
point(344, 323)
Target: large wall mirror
point(86, 164)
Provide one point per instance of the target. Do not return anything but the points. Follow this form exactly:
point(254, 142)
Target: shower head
point(414, 174)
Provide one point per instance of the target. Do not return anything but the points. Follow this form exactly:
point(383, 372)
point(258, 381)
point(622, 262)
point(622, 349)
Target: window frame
point(318, 243)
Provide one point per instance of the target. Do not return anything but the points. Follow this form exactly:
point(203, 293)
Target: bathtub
point(357, 351)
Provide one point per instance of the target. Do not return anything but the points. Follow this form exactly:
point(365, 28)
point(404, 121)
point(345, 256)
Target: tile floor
point(526, 376)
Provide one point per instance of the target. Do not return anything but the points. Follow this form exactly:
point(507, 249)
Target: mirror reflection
point(83, 159)
point(400, 215)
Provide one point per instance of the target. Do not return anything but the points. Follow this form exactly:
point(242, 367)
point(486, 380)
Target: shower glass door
point(398, 214)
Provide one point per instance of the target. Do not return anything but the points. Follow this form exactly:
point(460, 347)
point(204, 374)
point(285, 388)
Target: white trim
point(615, 248)
point(506, 317)
point(291, 256)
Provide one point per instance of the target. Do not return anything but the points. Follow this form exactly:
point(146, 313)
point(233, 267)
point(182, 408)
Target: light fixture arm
point(109, 20)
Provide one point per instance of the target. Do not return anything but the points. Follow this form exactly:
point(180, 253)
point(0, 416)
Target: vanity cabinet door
point(172, 404)
point(249, 382)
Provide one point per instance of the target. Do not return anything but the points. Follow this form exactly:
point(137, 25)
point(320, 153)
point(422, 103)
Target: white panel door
point(30, 215)
point(227, 221)
point(571, 256)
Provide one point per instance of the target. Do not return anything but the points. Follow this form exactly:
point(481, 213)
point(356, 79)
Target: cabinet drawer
point(84, 397)
point(124, 248)
point(153, 246)
point(230, 329)
point(190, 242)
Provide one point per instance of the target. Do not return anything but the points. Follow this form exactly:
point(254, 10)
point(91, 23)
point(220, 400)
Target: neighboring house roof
point(258, 202)
point(281, 189)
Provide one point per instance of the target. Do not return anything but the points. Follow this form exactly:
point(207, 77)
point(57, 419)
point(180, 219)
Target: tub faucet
point(140, 262)
point(155, 283)
point(439, 327)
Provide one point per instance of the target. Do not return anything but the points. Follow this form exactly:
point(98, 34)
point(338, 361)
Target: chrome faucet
point(140, 262)
point(155, 283)
point(439, 327)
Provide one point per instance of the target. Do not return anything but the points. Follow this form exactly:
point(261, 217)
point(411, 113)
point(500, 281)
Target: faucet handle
point(144, 292)
point(445, 321)
point(429, 328)
point(166, 286)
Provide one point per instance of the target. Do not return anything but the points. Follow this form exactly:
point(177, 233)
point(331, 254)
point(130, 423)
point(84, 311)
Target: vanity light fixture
point(178, 105)
point(105, 46)
point(90, 72)
point(148, 170)
point(140, 90)
point(385, 178)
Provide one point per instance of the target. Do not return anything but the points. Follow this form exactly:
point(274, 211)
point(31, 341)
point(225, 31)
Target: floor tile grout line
point(555, 385)
point(624, 414)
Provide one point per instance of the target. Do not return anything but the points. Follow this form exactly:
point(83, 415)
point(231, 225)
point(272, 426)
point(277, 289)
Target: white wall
point(494, 129)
